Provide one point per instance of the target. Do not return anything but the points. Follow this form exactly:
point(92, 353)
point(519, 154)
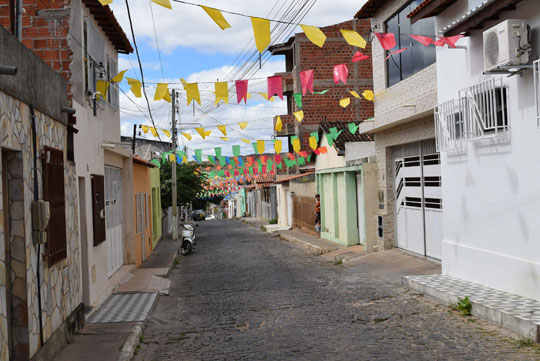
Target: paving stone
point(243, 295)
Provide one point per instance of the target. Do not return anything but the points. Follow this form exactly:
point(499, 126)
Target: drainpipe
point(36, 197)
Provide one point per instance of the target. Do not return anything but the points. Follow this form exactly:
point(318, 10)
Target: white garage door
point(417, 185)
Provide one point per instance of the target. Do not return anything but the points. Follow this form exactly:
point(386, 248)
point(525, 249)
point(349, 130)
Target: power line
point(155, 36)
point(140, 66)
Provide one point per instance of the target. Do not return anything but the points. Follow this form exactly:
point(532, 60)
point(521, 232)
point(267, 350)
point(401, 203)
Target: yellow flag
point(105, 2)
point(172, 158)
point(222, 92)
point(248, 95)
point(313, 143)
point(164, 3)
point(296, 144)
point(225, 139)
point(167, 97)
point(353, 38)
point(355, 94)
point(368, 95)
point(135, 86)
point(261, 30)
point(161, 90)
point(279, 124)
point(207, 133)
point(277, 146)
point(299, 115)
point(217, 16)
point(187, 135)
point(201, 132)
point(166, 132)
point(314, 34)
point(260, 146)
point(223, 129)
point(101, 88)
point(246, 141)
point(243, 125)
point(184, 160)
point(145, 128)
point(154, 131)
point(119, 77)
point(345, 102)
point(192, 90)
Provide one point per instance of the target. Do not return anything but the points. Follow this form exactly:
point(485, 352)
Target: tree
point(189, 183)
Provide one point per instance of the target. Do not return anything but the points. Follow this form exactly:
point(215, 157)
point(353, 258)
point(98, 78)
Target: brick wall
point(325, 107)
point(45, 27)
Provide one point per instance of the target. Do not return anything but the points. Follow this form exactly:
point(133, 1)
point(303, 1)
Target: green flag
point(298, 99)
point(321, 92)
point(198, 155)
point(316, 135)
point(218, 151)
point(353, 128)
point(236, 150)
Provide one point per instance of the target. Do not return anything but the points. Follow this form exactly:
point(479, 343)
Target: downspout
point(36, 197)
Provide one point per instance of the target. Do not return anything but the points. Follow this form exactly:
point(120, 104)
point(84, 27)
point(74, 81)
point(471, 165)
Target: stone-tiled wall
point(60, 283)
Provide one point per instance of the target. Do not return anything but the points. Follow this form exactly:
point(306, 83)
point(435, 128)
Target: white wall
point(359, 150)
point(491, 193)
point(330, 159)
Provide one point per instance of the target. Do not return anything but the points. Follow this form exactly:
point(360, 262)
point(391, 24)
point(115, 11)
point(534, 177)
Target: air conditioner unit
point(506, 44)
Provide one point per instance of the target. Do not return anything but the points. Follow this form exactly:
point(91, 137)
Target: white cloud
point(189, 26)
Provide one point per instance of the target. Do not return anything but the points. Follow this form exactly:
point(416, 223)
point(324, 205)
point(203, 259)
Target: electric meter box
point(41, 214)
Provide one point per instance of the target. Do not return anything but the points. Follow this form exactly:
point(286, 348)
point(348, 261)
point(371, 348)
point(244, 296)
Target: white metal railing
point(479, 111)
point(536, 68)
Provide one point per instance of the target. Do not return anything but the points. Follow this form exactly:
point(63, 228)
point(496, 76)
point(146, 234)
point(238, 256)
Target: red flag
point(241, 90)
point(291, 156)
point(275, 86)
point(263, 159)
point(395, 52)
point(303, 153)
point(323, 150)
point(317, 151)
point(359, 56)
point(341, 73)
point(277, 158)
point(425, 40)
point(306, 78)
point(450, 40)
point(387, 40)
point(250, 161)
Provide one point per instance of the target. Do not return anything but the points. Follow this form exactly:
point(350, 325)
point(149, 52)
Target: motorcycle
point(188, 239)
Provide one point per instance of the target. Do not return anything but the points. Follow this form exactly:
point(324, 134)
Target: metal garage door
point(417, 186)
point(114, 218)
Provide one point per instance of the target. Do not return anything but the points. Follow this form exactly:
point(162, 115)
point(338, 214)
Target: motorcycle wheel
point(186, 248)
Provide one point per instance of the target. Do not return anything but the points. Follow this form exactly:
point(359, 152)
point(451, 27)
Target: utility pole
point(174, 196)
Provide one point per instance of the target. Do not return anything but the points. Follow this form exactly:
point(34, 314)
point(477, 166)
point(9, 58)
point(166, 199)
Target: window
point(112, 70)
point(380, 226)
point(53, 192)
point(139, 203)
point(417, 57)
point(94, 56)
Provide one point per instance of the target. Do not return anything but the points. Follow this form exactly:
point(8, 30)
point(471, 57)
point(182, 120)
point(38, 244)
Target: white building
point(487, 130)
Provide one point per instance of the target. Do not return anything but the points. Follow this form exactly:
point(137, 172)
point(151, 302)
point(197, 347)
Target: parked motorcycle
point(188, 239)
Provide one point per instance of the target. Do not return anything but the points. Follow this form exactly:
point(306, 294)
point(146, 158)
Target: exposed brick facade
point(45, 28)
point(325, 107)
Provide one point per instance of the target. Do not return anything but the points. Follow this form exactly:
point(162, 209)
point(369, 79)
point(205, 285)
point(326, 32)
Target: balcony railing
point(479, 111)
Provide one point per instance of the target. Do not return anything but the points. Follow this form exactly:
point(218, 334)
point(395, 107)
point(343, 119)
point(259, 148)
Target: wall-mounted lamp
point(8, 70)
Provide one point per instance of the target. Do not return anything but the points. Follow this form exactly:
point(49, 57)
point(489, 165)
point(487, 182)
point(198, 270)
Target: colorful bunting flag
point(261, 30)
point(298, 99)
point(192, 93)
point(236, 150)
point(275, 86)
point(299, 115)
point(368, 95)
point(198, 155)
point(245, 141)
point(279, 124)
point(161, 90)
point(222, 92)
point(314, 34)
point(355, 94)
point(344, 103)
point(306, 79)
point(425, 40)
point(135, 86)
point(218, 151)
point(153, 131)
point(296, 145)
point(277, 146)
point(217, 16)
point(353, 128)
point(164, 3)
point(166, 132)
point(395, 52)
point(105, 2)
point(313, 143)
point(359, 56)
point(187, 135)
point(202, 132)
point(353, 38)
point(119, 77)
point(223, 129)
point(226, 139)
point(315, 135)
point(101, 89)
point(341, 73)
point(387, 40)
point(260, 146)
point(241, 91)
point(243, 125)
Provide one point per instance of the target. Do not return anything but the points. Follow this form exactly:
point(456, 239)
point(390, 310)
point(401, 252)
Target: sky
point(186, 43)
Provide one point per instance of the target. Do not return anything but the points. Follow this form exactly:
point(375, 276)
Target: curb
point(314, 248)
point(128, 349)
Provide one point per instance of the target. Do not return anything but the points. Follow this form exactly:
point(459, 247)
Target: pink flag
point(236, 173)
point(341, 73)
point(275, 86)
point(395, 52)
point(423, 39)
point(450, 40)
point(387, 40)
point(359, 56)
point(241, 90)
point(245, 171)
point(306, 78)
point(264, 169)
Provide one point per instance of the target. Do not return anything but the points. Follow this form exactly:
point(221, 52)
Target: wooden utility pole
point(174, 196)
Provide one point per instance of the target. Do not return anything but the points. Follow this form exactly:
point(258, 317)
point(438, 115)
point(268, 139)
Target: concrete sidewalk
point(316, 245)
point(117, 341)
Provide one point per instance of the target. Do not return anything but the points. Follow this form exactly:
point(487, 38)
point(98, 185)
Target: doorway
point(361, 210)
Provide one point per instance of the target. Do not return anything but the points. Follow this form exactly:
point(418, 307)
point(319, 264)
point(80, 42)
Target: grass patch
point(463, 305)
point(338, 262)
point(526, 342)
point(141, 338)
point(273, 221)
point(177, 260)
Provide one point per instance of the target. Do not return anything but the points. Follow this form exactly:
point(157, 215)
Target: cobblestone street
point(245, 295)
